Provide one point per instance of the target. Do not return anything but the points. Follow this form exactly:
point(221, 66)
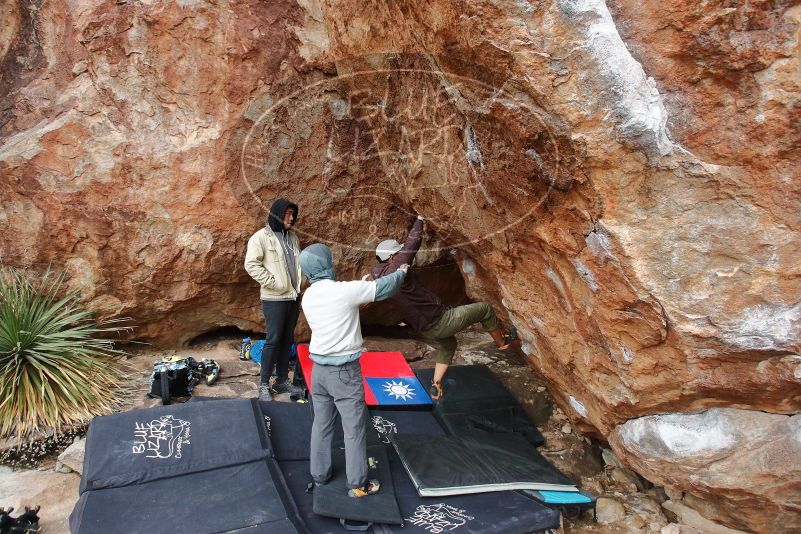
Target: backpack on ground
point(176, 376)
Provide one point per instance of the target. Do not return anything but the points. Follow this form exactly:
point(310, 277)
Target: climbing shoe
point(370, 488)
point(509, 338)
point(264, 393)
point(435, 391)
point(285, 386)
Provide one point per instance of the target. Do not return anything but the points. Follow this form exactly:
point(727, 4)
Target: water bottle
point(244, 352)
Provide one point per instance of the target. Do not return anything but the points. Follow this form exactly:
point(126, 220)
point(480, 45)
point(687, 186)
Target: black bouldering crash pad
point(292, 423)
point(201, 467)
point(451, 465)
point(474, 400)
point(504, 512)
point(332, 500)
point(218, 500)
point(167, 441)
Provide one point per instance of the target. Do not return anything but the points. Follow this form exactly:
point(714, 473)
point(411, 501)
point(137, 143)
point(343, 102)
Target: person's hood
point(275, 220)
point(317, 263)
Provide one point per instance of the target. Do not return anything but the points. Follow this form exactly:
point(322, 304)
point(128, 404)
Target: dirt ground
point(575, 455)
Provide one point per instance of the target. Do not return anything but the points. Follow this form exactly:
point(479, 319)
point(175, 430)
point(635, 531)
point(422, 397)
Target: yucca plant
point(56, 371)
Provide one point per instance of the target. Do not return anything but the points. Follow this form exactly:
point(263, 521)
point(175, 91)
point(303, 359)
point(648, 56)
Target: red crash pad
point(388, 379)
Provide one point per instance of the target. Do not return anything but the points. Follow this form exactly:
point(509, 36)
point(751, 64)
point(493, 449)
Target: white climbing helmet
point(387, 248)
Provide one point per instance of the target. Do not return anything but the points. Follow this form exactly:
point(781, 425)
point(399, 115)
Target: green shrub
point(55, 370)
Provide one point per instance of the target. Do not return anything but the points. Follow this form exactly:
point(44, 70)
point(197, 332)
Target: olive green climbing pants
point(443, 334)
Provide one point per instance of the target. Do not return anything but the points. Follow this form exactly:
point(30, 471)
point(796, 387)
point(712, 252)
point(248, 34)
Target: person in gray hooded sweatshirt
point(332, 311)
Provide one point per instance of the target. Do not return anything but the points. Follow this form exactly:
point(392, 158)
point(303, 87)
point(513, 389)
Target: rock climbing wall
point(619, 179)
point(121, 127)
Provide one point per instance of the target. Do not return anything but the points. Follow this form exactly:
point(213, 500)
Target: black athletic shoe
point(285, 386)
point(264, 393)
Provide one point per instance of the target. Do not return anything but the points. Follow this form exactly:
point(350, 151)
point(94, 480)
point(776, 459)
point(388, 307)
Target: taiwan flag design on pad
point(388, 379)
point(394, 391)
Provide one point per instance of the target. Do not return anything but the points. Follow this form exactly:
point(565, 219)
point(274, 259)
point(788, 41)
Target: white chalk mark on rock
point(577, 406)
point(637, 106)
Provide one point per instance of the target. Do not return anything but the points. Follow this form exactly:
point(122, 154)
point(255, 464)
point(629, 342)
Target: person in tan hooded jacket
point(273, 260)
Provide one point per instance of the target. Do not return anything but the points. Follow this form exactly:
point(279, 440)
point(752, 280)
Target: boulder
point(626, 479)
point(72, 457)
point(692, 518)
point(609, 511)
point(744, 465)
point(645, 512)
point(627, 281)
point(118, 148)
point(677, 528)
point(617, 179)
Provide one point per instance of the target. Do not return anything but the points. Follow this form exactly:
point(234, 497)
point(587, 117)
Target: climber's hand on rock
point(404, 268)
point(421, 218)
point(367, 277)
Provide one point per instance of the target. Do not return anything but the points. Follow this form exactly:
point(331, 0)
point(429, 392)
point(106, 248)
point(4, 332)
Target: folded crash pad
point(474, 400)
point(256, 348)
point(178, 468)
point(562, 497)
point(294, 419)
point(166, 441)
point(255, 351)
point(288, 425)
point(388, 379)
point(218, 500)
point(500, 512)
point(386, 423)
point(505, 512)
point(450, 465)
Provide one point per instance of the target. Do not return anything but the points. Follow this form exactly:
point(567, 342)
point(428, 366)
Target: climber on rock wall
point(422, 309)
point(273, 260)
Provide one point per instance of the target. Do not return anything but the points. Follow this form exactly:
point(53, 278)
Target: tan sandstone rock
point(55, 492)
point(609, 511)
point(691, 518)
point(677, 528)
point(746, 464)
point(619, 180)
point(72, 456)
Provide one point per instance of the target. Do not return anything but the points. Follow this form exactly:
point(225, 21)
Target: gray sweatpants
point(338, 388)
